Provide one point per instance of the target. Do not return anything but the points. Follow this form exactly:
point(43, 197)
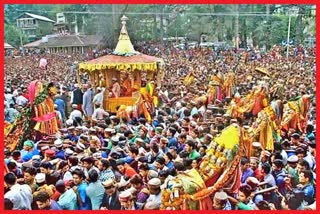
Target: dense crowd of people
point(101, 162)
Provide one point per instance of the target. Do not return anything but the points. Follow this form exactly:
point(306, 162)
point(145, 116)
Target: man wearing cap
point(115, 89)
point(143, 134)
point(28, 146)
point(87, 106)
point(77, 97)
point(75, 115)
point(49, 155)
point(221, 202)
point(99, 113)
point(291, 168)
point(72, 134)
point(60, 153)
point(42, 186)
point(107, 138)
point(126, 201)
point(254, 163)
point(110, 199)
point(98, 98)
point(155, 191)
point(164, 145)
point(264, 157)
point(80, 147)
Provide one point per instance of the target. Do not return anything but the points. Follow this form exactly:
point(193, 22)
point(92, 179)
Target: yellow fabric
point(85, 67)
point(229, 137)
point(188, 80)
point(266, 137)
point(155, 101)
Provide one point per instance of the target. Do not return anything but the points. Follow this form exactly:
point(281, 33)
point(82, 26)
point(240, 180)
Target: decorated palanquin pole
point(38, 118)
point(295, 113)
point(219, 169)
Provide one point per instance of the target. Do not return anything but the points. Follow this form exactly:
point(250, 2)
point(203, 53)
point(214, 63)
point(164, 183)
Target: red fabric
point(55, 196)
point(32, 91)
point(206, 204)
point(46, 117)
point(130, 172)
point(26, 96)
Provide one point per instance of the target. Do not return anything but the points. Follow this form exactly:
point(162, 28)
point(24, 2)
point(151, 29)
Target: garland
point(26, 116)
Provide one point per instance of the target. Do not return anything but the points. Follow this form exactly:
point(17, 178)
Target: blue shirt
point(61, 106)
point(54, 205)
point(106, 175)
point(104, 154)
point(95, 192)
point(170, 165)
point(73, 138)
point(29, 155)
point(127, 159)
point(279, 177)
point(172, 142)
point(68, 200)
point(10, 114)
point(309, 193)
point(86, 204)
point(248, 173)
point(60, 154)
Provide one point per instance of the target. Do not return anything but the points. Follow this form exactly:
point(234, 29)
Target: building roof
point(8, 46)
point(73, 41)
point(33, 44)
point(37, 17)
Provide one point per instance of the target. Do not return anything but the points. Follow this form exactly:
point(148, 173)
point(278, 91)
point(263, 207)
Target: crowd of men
point(99, 162)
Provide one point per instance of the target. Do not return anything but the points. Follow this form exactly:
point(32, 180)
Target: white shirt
point(20, 196)
point(75, 113)
point(99, 113)
point(155, 198)
point(21, 100)
point(98, 98)
point(9, 98)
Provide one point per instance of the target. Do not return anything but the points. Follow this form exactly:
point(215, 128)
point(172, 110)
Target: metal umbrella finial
point(124, 19)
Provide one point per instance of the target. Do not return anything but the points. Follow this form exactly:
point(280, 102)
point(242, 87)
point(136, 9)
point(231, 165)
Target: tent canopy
point(8, 46)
